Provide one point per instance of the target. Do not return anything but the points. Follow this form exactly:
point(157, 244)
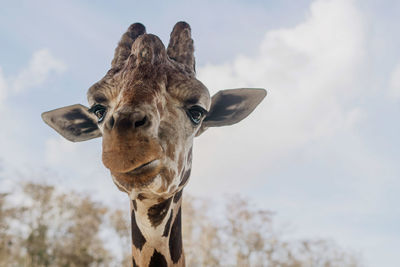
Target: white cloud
point(15, 130)
point(301, 152)
point(42, 64)
point(394, 86)
point(309, 71)
point(81, 168)
point(59, 151)
point(39, 68)
point(3, 86)
point(85, 157)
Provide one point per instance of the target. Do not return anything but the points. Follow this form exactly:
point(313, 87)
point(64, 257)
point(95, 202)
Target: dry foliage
point(52, 228)
point(247, 236)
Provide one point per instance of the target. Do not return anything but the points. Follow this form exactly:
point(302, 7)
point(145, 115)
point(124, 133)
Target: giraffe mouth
point(138, 176)
point(148, 166)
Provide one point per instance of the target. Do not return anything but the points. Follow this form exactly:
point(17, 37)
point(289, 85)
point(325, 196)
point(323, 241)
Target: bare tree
point(249, 237)
point(53, 228)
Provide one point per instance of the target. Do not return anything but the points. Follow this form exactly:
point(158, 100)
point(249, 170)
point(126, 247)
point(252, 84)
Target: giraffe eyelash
point(196, 113)
point(99, 110)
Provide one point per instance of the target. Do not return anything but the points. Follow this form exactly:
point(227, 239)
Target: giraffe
point(148, 108)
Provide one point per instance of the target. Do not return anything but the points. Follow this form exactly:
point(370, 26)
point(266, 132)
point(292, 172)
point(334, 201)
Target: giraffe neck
point(157, 232)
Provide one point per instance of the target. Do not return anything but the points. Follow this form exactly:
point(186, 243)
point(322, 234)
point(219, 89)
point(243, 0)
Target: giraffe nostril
point(111, 122)
point(141, 122)
point(128, 121)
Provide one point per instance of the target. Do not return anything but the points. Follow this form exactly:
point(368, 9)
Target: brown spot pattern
point(175, 239)
point(189, 158)
point(157, 212)
point(185, 177)
point(178, 196)
point(168, 224)
point(158, 260)
point(138, 239)
point(180, 162)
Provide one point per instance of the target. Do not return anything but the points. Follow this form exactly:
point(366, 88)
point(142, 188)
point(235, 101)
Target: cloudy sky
point(322, 150)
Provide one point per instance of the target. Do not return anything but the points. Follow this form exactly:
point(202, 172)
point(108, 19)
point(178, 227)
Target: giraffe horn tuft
point(148, 48)
point(123, 49)
point(181, 48)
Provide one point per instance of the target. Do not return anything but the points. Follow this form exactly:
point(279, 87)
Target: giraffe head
point(148, 108)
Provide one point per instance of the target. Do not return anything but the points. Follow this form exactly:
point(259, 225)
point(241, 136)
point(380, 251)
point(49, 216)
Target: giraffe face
point(147, 109)
point(148, 118)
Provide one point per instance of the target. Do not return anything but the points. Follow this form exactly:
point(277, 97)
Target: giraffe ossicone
point(148, 108)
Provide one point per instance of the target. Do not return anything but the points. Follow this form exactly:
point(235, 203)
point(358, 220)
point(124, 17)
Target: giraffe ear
point(231, 106)
point(75, 122)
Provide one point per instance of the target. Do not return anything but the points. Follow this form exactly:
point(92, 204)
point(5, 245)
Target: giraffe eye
point(196, 113)
point(99, 111)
